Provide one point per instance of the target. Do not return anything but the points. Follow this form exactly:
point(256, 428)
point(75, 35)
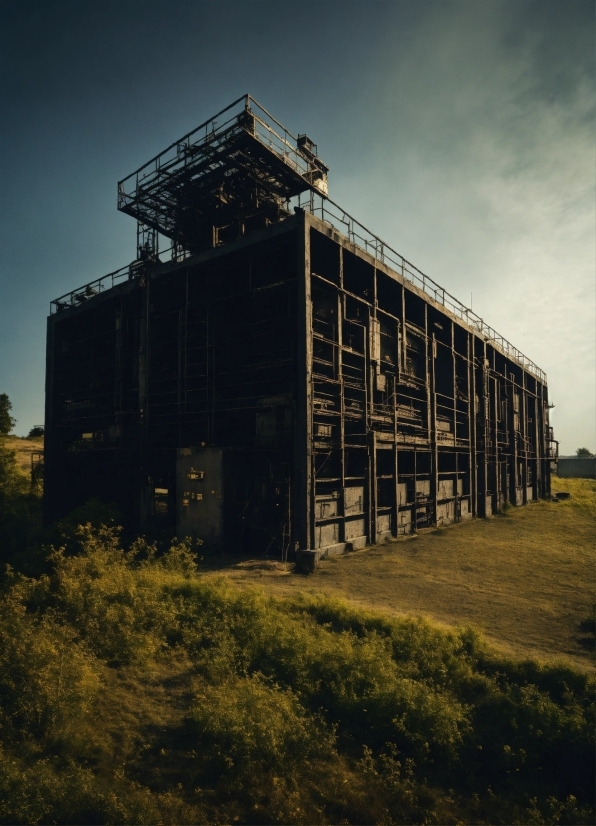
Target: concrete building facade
point(283, 380)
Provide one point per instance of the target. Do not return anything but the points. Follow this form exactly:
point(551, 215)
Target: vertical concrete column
point(118, 362)
point(512, 477)
point(342, 420)
point(395, 511)
point(545, 431)
point(497, 471)
point(182, 332)
point(434, 446)
point(143, 470)
point(537, 463)
point(485, 505)
point(524, 429)
point(303, 482)
point(372, 487)
point(472, 412)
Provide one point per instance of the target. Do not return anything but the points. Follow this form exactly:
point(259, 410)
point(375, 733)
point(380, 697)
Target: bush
point(53, 791)
point(135, 690)
point(20, 513)
point(116, 598)
point(246, 727)
point(46, 678)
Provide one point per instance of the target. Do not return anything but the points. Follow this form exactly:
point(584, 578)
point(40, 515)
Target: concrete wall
point(351, 406)
point(417, 419)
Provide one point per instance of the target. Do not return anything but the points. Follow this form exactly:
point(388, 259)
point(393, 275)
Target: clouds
point(488, 182)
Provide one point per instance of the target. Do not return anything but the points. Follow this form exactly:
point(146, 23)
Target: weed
point(136, 690)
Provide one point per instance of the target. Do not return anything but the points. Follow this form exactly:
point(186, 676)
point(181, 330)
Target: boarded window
point(160, 500)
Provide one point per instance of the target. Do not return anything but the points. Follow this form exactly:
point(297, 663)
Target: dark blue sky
point(460, 131)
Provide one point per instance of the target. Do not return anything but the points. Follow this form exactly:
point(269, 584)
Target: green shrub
point(50, 790)
point(47, 680)
point(135, 690)
point(67, 532)
point(245, 727)
point(20, 513)
point(118, 599)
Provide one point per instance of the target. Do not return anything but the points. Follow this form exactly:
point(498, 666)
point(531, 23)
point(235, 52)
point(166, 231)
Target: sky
point(461, 132)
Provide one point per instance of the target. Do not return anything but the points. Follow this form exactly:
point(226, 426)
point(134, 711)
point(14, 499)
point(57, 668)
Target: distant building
point(279, 378)
point(576, 467)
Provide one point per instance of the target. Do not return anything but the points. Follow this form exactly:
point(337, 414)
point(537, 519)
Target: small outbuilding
point(576, 467)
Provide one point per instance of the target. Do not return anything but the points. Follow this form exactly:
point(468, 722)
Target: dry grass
point(23, 449)
point(525, 578)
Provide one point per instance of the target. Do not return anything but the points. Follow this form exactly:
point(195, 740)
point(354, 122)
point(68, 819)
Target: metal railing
point(273, 134)
point(76, 297)
point(206, 140)
point(80, 295)
point(337, 218)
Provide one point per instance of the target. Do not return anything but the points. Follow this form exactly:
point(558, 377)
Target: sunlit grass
point(524, 578)
point(23, 448)
point(583, 492)
point(136, 690)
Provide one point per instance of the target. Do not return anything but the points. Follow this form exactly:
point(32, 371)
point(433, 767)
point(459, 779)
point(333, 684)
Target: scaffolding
point(338, 393)
point(239, 168)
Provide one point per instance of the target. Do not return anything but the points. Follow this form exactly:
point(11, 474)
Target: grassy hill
point(23, 449)
point(135, 690)
point(524, 578)
point(138, 688)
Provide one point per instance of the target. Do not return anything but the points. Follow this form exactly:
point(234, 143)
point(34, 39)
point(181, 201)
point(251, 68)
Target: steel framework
point(239, 167)
point(278, 373)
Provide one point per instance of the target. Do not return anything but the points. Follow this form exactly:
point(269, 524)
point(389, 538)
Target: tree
point(583, 451)
point(36, 432)
point(10, 478)
point(6, 420)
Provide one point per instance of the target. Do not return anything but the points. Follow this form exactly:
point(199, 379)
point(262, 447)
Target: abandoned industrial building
point(278, 378)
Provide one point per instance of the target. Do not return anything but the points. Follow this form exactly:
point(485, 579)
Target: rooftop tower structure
point(269, 375)
point(234, 173)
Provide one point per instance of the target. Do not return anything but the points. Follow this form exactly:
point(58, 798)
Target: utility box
point(200, 478)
